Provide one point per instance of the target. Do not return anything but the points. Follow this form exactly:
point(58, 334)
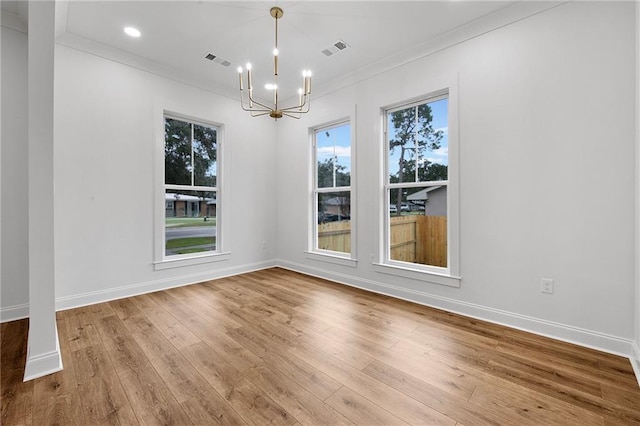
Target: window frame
point(313, 252)
point(161, 260)
point(449, 275)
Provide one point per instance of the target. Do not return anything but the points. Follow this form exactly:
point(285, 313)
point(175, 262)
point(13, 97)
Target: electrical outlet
point(546, 285)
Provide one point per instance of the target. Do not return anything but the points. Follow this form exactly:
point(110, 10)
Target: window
point(332, 225)
point(191, 225)
point(418, 193)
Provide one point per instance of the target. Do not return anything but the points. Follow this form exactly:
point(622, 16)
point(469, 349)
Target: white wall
point(636, 358)
point(106, 115)
point(546, 182)
point(0, 165)
point(14, 284)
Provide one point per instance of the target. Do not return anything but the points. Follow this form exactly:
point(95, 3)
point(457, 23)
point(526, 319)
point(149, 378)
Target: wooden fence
point(419, 239)
point(335, 236)
point(414, 238)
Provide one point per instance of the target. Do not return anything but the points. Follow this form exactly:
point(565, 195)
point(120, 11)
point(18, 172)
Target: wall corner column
point(43, 351)
point(635, 355)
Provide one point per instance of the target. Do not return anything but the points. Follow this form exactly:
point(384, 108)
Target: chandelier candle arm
point(255, 107)
point(240, 78)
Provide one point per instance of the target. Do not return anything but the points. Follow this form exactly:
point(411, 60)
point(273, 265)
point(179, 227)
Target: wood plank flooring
point(278, 347)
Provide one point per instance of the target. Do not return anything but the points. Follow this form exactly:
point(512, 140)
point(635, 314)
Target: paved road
point(190, 231)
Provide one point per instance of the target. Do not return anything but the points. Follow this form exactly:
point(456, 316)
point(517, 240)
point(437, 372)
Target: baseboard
point(43, 364)
point(13, 313)
point(635, 360)
point(84, 299)
point(587, 338)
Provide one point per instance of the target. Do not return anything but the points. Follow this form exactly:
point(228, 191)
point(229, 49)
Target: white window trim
point(161, 261)
point(449, 276)
point(338, 258)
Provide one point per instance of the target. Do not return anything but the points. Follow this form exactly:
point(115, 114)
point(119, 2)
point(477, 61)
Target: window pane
point(190, 222)
point(177, 152)
point(205, 149)
point(418, 225)
point(334, 221)
point(418, 143)
point(333, 156)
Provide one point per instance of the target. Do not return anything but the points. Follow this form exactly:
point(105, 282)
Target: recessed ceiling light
point(133, 32)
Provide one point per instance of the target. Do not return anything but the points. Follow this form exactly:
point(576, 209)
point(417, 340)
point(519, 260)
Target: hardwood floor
point(277, 347)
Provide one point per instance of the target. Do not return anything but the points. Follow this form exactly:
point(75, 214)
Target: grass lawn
point(188, 243)
point(191, 250)
point(181, 222)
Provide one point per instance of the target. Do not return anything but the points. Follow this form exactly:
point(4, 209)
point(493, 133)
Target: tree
point(427, 171)
point(433, 171)
point(326, 172)
point(177, 152)
point(413, 134)
point(205, 149)
point(178, 166)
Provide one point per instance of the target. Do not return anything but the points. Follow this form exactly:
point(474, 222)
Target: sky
point(440, 122)
point(335, 140)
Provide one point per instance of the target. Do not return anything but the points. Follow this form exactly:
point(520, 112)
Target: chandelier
point(256, 108)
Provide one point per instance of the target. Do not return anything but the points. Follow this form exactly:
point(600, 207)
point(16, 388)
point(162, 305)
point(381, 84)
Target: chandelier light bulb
point(275, 52)
point(240, 70)
point(248, 66)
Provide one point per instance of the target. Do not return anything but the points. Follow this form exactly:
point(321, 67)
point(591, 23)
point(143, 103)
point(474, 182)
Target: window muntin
point(191, 223)
point(332, 189)
point(416, 186)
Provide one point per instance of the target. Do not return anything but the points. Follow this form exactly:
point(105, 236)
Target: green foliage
point(205, 148)
point(192, 250)
point(177, 153)
point(184, 222)
point(427, 172)
point(325, 174)
point(433, 171)
point(189, 242)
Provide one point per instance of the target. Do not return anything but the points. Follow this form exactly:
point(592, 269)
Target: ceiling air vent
point(340, 45)
point(217, 59)
point(336, 47)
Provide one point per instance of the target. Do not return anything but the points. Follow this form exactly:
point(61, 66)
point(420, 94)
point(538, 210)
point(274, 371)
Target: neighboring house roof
point(184, 197)
point(423, 194)
point(337, 201)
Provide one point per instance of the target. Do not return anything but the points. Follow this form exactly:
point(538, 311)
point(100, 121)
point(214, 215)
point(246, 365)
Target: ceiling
point(177, 35)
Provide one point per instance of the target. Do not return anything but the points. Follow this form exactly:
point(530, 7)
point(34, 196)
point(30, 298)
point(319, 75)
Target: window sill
point(332, 258)
point(417, 274)
point(190, 261)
